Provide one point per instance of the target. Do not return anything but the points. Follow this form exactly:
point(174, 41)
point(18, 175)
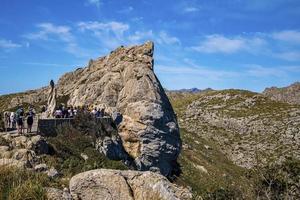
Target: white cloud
point(118, 28)
point(288, 36)
point(56, 33)
point(261, 71)
point(165, 38)
point(94, 2)
point(219, 43)
point(229, 45)
point(48, 29)
point(140, 35)
point(126, 10)
point(8, 45)
point(190, 9)
point(289, 55)
point(200, 71)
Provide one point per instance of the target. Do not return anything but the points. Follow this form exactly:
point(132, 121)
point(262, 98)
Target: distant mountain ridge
point(190, 90)
point(289, 94)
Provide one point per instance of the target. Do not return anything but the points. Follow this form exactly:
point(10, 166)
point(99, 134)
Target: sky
point(242, 44)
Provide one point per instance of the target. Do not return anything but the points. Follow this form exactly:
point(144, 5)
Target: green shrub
point(278, 181)
point(70, 143)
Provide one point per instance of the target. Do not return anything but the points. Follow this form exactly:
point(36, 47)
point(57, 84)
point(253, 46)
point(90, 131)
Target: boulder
point(124, 185)
point(52, 173)
point(57, 194)
point(112, 148)
point(25, 155)
point(36, 143)
point(39, 145)
point(41, 167)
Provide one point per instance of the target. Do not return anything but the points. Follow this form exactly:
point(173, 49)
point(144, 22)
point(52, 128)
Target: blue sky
point(246, 44)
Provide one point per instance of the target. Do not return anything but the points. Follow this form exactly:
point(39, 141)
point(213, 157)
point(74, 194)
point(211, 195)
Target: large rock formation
point(289, 94)
point(126, 185)
point(124, 82)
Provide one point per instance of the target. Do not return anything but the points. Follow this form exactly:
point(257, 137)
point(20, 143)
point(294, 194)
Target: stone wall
point(50, 127)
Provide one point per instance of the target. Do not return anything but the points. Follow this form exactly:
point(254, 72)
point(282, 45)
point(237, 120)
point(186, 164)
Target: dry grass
point(20, 184)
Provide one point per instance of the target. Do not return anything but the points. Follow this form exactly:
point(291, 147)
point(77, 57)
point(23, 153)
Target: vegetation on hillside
point(205, 167)
point(208, 172)
point(73, 142)
point(72, 151)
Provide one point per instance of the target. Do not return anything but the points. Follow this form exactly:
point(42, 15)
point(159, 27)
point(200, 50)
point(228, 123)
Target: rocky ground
point(40, 155)
point(230, 133)
point(249, 128)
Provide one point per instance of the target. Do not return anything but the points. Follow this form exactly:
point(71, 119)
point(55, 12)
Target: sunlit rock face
point(124, 82)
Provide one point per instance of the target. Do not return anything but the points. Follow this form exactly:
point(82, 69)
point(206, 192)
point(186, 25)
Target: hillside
point(244, 124)
point(289, 94)
point(227, 132)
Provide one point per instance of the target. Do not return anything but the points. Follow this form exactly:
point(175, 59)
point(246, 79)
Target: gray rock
point(112, 148)
point(84, 156)
point(41, 167)
point(126, 185)
point(52, 173)
point(57, 194)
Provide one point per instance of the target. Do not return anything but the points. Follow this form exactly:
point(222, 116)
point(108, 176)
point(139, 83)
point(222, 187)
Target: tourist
point(70, 112)
point(65, 113)
point(75, 111)
point(30, 116)
point(102, 112)
point(98, 113)
point(58, 113)
point(13, 120)
point(20, 118)
point(94, 112)
point(7, 119)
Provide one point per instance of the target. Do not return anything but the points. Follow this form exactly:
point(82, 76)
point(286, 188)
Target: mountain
point(289, 94)
point(191, 90)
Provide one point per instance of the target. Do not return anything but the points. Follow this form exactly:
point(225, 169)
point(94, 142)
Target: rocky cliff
point(124, 82)
point(289, 94)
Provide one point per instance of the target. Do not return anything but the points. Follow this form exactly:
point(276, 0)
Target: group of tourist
point(17, 119)
point(98, 112)
point(63, 112)
point(70, 112)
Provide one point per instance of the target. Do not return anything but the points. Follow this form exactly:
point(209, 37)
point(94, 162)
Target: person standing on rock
point(13, 120)
point(20, 118)
point(30, 116)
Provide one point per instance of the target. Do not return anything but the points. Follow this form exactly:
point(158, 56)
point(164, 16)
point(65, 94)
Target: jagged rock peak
point(124, 82)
